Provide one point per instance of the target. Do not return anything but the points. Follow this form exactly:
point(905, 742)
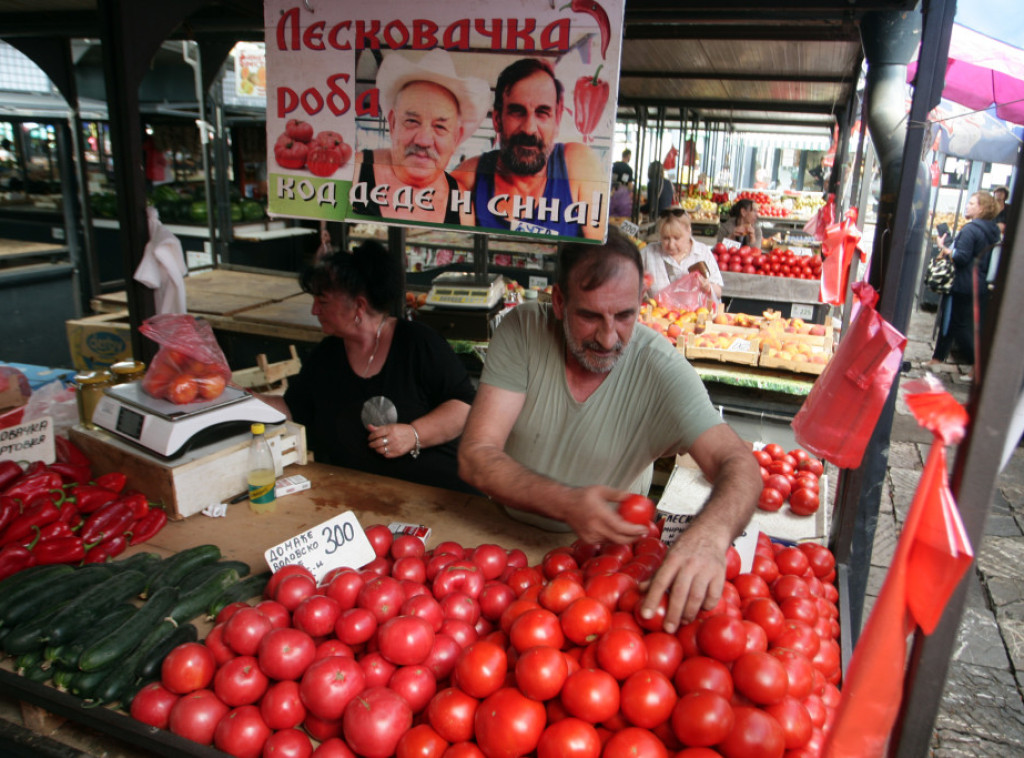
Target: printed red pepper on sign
point(146, 528)
point(590, 96)
point(107, 549)
point(14, 558)
point(69, 452)
point(599, 15)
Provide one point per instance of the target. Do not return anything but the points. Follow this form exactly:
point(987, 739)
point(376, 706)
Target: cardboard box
point(99, 341)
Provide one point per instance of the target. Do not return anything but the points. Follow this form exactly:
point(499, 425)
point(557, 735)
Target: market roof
point(729, 62)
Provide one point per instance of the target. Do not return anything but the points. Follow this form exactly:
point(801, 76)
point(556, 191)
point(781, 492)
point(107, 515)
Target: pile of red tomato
point(792, 477)
point(749, 260)
point(761, 198)
point(469, 653)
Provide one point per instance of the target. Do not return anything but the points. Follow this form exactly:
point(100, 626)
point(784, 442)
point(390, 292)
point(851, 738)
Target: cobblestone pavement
point(982, 710)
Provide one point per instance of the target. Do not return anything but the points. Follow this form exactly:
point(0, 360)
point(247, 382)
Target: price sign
point(30, 441)
point(338, 542)
point(731, 244)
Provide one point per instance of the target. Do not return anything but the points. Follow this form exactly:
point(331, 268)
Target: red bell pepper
point(10, 472)
point(14, 558)
point(138, 503)
point(113, 481)
point(146, 527)
point(71, 473)
point(59, 550)
point(69, 452)
point(54, 530)
point(30, 486)
point(89, 498)
point(107, 549)
point(39, 515)
point(107, 522)
point(10, 509)
point(590, 97)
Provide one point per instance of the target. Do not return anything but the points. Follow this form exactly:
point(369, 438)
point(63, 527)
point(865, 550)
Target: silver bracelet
point(415, 452)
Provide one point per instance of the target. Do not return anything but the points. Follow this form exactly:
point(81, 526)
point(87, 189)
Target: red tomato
point(281, 706)
point(380, 538)
point(462, 632)
point(521, 579)
point(780, 483)
point(799, 636)
point(591, 695)
point(819, 558)
point(286, 653)
point(702, 718)
point(508, 724)
point(416, 685)
point(344, 587)
point(195, 716)
point(280, 575)
point(377, 669)
point(240, 681)
point(754, 732)
point(382, 596)
point(294, 589)
point(152, 705)
point(329, 684)
point(775, 451)
point(425, 607)
point(229, 610)
point(451, 712)
point(779, 466)
point(751, 585)
point(804, 501)
point(187, 668)
point(541, 672)
point(514, 610)
point(770, 499)
point(215, 642)
point(244, 631)
point(700, 674)
point(799, 671)
point(633, 741)
point(792, 560)
point(374, 721)
point(459, 605)
point(569, 738)
point(608, 588)
point(536, 627)
point(242, 732)
point(494, 598)
point(491, 560)
point(277, 613)
point(355, 626)
point(405, 640)
point(560, 592)
point(409, 567)
point(766, 613)
point(664, 652)
point(637, 509)
point(647, 698)
point(462, 576)
point(288, 743)
point(760, 677)
point(333, 747)
point(621, 652)
point(813, 465)
point(316, 615)
point(421, 742)
point(480, 669)
point(722, 637)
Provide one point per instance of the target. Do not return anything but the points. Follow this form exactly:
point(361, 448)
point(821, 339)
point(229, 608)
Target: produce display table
point(14, 252)
point(243, 535)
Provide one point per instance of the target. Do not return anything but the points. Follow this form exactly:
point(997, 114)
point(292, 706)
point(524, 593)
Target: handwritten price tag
point(338, 542)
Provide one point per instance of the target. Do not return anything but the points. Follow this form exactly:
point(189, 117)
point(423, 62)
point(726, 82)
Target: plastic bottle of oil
point(261, 479)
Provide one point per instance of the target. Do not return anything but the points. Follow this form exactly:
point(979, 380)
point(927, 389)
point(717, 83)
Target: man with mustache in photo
point(529, 165)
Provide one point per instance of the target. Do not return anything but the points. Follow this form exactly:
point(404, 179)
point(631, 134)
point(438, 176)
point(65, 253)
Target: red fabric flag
point(931, 557)
point(841, 241)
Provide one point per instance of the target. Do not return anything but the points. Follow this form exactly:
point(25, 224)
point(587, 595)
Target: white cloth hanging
point(163, 266)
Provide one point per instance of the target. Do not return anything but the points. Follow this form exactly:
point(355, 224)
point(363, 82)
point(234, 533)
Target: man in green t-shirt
point(576, 402)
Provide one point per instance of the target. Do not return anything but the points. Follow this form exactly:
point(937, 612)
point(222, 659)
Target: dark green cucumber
point(150, 663)
point(69, 653)
point(201, 575)
point(121, 678)
point(38, 672)
point(32, 635)
point(144, 562)
point(84, 683)
point(127, 637)
point(239, 592)
point(28, 583)
point(56, 591)
point(173, 570)
point(196, 602)
point(82, 612)
point(28, 660)
point(62, 677)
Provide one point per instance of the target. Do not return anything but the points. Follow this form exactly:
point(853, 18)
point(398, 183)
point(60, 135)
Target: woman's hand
point(392, 440)
point(705, 284)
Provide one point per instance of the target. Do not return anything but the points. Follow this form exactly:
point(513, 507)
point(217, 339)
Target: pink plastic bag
point(685, 294)
point(190, 366)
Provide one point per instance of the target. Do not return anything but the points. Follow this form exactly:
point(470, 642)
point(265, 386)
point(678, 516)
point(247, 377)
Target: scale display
point(464, 290)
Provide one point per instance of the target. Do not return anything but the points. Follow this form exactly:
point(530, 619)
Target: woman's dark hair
point(593, 265)
point(369, 270)
point(740, 205)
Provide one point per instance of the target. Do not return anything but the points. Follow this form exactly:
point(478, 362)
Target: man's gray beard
point(579, 352)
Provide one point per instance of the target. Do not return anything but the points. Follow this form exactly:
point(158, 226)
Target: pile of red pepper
point(57, 513)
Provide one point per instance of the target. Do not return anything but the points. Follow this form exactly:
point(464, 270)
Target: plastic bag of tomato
point(471, 652)
point(189, 366)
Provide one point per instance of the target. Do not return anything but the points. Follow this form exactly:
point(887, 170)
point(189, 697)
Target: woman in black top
point(366, 355)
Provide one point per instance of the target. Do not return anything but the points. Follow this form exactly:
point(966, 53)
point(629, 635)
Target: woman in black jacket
point(972, 247)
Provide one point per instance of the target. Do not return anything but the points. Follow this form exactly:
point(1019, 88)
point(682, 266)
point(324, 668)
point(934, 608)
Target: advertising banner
point(494, 116)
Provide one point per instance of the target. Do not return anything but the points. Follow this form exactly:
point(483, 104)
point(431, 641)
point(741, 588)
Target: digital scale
point(167, 429)
point(456, 289)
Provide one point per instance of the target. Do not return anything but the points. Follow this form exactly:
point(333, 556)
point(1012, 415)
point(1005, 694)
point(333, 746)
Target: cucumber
point(81, 612)
point(69, 653)
point(121, 678)
point(150, 663)
point(173, 570)
point(84, 683)
point(62, 678)
point(28, 660)
point(144, 562)
point(37, 673)
point(28, 583)
point(127, 637)
point(201, 575)
point(239, 592)
point(198, 600)
point(31, 635)
point(56, 590)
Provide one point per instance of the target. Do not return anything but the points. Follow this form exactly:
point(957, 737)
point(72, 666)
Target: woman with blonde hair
point(676, 253)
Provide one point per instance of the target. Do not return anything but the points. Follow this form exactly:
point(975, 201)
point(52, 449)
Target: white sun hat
point(473, 95)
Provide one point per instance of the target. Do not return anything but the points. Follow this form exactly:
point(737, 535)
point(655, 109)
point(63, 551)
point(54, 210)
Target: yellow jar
point(128, 371)
point(90, 386)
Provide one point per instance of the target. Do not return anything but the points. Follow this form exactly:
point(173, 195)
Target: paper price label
point(731, 244)
point(740, 345)
point(338, 542)
point(30, 441)
point(629, 228)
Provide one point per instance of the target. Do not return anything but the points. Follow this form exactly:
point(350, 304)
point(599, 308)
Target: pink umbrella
point(982, 72)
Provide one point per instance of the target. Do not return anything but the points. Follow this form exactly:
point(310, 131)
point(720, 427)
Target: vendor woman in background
point(742, 225)
point(368, 354)
point(676, 251)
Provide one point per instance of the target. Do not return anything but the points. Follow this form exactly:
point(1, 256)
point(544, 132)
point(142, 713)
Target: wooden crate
point(203, 476)
point(270, 378)
point(800, 367)
point(743, 350)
